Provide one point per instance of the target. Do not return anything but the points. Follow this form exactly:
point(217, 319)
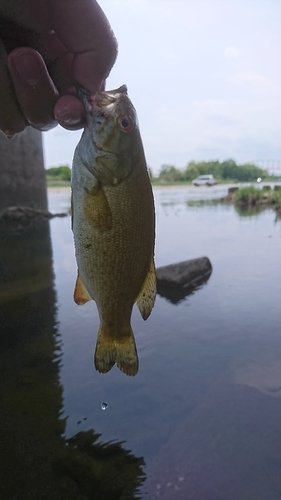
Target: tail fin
point(111, 351)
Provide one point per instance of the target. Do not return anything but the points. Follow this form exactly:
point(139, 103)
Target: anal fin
point(81, 294)
point(146, 297)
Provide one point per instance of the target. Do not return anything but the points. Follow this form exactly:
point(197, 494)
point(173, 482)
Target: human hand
point(46, 48)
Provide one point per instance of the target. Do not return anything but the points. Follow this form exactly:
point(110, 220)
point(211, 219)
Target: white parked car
point(204, 180)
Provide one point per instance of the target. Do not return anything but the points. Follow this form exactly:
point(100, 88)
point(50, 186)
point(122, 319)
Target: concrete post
point(22, 174)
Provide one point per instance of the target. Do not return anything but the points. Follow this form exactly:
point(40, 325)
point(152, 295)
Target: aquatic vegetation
point(251, 196)
point(277, 196)
point(248, 194)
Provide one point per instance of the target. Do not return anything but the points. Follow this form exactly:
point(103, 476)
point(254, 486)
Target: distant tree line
point(62, 173)
point(222, 171)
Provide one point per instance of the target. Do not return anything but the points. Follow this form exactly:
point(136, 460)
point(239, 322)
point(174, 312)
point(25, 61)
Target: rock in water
point(176, 281)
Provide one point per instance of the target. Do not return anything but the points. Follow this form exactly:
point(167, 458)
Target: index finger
point(85, 32)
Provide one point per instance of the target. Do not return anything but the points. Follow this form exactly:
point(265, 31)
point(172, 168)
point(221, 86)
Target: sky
point(203, 75)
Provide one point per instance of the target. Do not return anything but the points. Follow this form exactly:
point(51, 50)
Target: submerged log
point(176, 281)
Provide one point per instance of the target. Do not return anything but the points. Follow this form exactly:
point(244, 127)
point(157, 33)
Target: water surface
point(201, 419)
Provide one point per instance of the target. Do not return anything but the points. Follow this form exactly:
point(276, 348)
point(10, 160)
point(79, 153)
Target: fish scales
point(118, 267)
point(113, 225)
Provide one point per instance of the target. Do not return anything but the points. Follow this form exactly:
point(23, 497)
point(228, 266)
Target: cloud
point(258, 83)
point(231, 52)
point(202, 78)
point(211, 106)
point(216, 111)
point(59, 145)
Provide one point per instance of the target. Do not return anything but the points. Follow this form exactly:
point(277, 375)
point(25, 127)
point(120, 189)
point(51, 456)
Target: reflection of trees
point(255, 211)
point(246, 211)
point(36, 462)
point(102, 471)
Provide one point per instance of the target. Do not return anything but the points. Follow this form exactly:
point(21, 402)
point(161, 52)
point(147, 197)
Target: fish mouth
point(104, 103)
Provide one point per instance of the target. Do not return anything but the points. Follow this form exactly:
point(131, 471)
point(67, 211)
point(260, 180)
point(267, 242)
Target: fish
point(113, 223)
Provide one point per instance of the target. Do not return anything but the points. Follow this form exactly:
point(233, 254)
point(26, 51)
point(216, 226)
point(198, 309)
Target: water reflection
point(202, 203)
point(205, 407)
point(176, 294)
point(37, 461)
point(249, 211)
point(176, 281)
point(255, 211)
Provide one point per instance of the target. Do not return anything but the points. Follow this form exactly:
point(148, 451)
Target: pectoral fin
point(146, 298)
point(97, 209)
point(81, 295)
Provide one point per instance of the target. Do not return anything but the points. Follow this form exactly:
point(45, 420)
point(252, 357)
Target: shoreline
point(56, 189)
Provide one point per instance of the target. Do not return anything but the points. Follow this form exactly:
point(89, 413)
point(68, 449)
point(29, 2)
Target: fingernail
point(66, 118)
point(69, 122)
point(28, 67)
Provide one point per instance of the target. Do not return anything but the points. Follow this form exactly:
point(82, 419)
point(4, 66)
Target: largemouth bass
point(113, 225)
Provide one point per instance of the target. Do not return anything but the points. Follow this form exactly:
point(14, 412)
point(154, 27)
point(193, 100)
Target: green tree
point(226, 170)
point(194, 169)
point(191, 172)
point(62, 173)
point(229, 170)
point(169, 173)
point(249, 172)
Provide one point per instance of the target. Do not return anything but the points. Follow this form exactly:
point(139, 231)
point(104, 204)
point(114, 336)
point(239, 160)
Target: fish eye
point(126, 123)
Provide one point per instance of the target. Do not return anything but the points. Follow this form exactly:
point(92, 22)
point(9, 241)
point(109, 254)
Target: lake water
point(202, 418)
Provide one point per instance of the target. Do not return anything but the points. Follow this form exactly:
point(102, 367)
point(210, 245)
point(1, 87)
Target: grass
point(158, 182)
point(277, 197)
point(248, 193)
point(251, 196)
point(57, 183)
